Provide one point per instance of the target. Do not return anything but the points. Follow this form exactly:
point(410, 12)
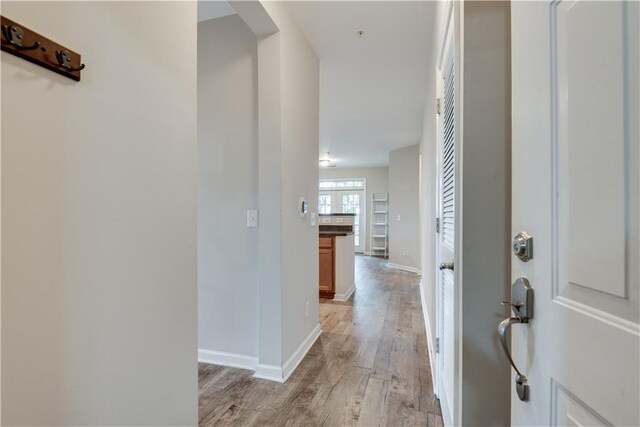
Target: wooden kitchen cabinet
point(327, 267)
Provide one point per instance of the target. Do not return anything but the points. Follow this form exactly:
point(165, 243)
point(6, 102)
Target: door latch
point(522, 309)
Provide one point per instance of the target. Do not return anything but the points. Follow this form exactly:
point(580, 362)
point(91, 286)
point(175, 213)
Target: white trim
point(263, 371)
point(292, 363)
point(269, 372)
point(443, 40)
point(345, 297)
point(227, 359)
point(404, 267)
point(430, 341)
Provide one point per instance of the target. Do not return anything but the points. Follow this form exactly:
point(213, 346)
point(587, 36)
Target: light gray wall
point(404, 203)
point(227, 187)
point(288, 91)
point(486, 218)
point(99, 219)
point(300, 139)
point(377, 182)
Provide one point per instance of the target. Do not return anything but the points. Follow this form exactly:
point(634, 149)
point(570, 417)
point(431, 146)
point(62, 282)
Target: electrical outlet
point(306, 309)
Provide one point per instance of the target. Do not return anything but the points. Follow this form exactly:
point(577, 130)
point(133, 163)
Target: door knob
point(446, 266)
point(523, 246)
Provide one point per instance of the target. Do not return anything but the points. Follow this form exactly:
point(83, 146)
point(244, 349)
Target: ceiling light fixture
point(325, 162)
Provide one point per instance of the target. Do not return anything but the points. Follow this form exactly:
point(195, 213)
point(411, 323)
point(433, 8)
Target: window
point(345, 196)
point(341, 184)
point(324, 204)
point(351, 204)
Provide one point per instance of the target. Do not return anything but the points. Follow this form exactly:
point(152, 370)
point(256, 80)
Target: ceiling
point(211, 9)
point(372, 88)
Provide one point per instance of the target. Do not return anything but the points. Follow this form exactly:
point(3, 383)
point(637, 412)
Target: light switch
point(252, 218)
point(312, 219)
point(398, 217)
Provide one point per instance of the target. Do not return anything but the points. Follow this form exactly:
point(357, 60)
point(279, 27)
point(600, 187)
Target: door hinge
point(439, 105)
point(437, 225)
point(437, 345)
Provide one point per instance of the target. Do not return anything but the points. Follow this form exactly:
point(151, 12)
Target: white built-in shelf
point(379, 238)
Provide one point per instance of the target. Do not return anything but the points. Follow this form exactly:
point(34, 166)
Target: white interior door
point(576, 190)
point(446, 236)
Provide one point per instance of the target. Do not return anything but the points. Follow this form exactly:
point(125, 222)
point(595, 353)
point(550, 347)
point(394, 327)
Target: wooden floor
point(369, 367)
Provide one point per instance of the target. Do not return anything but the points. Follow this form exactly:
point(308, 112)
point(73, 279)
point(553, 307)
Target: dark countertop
point(335, 230)
point(335, 233)
point(338, 214)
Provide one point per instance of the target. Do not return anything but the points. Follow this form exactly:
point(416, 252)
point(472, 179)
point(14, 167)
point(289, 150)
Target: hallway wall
point(300, 91)
point(288, 125)
point(99, 219)
point(227, 187)
point(377, 182)
point(404, 208)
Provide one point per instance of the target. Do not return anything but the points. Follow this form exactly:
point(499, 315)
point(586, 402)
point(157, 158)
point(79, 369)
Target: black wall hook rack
point(20, 41)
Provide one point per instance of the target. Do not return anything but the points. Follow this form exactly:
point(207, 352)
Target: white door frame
point(450, 31)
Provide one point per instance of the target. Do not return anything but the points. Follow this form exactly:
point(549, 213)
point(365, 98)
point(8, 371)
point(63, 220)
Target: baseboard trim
point(292, 363)
point(404, 267)
point(269, 372)
point(280, 375)
point(227, 359)
point(345, 297)
point(430, 341)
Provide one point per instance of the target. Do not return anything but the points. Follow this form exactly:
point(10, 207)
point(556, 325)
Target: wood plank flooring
point(369, 367)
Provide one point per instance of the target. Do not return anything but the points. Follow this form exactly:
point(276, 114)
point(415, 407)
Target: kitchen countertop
point(335, 230)
point(335, 233)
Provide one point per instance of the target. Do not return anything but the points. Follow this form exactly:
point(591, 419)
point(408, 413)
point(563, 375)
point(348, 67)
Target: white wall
point(288, 95)
point(227, 187)
point(300, 138)
point(404, 207)
point(99, 219)
point(377, 182)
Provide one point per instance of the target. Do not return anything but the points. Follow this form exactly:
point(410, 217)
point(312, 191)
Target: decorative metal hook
point(64, 60)
point(14, 35)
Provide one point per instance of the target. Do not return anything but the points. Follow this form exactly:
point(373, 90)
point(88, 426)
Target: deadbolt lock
point(523, 246)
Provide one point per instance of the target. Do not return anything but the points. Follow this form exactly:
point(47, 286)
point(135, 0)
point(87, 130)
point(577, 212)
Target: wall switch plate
point(306, 309)
point(398, 217)
point(312, 218)
point(252, 218)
